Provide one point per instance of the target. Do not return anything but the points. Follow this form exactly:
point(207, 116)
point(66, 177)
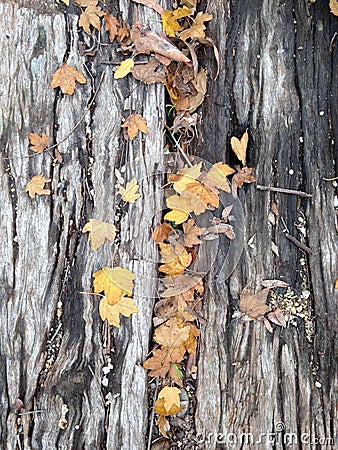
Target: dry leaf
point(99, 231)
point(336, 284)
point(91, 17)
point(114, 282)
point(65, 77)
point(170, 20)
point(334, 7)
point(274, 283)
point(197, 30)
point(216, 177)
point(124, 68)
point(86, 3)
point(147, 41)
point(182, 284)
point(191, 233)
point(201, 86)
point(158, 364)
point(176, 259)
point(151, 4)
point(35, 186)
point(242, 176)
point(201, 196)
point(184, 177)
point(112, 25)
point(163, 426)
point(161, 232)
point(171, 400)
point(277, 317)
point(124, 306)
point(254, 305)
point(239, 146)
point(147, 72)
point(224, 228)
point(129, 192)
point(135, 123)
point(181, 207)
point(38, 144)
point(66, 2)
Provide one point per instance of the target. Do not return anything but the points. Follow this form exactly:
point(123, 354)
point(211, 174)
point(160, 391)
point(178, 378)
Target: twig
point(98, 383)
point(330, 179)
point(285, 191)
point(152, 419)
point(180, 148)
point(31, 412)
point(291, 238)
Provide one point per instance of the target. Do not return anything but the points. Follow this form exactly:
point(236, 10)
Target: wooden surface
point(277, 75)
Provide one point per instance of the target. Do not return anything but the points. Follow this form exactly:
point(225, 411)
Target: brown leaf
point(224, 228)
point(254, 305)
point(242, 176)
point(112, 25)
point(239, 146)
point(200, 197)
point(197, 30)
point(151, 4)
point(65, 77)
point(86, 3)
point(216, 177)
point(161, 232)
point(182, 284)
point(35, 186)
point(163, 425)
point(38, 144)
point(147, 41)
point(158, 364)
point(276, 316)
point(91, 17)
point(201, 86)
point(135, 123)
point(171, 401)
point(274, 283)
point(176, 259)
point(170, 335)
point(191, 233)
point(147, 72)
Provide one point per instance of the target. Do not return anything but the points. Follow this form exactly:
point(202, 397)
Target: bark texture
point(278, 78)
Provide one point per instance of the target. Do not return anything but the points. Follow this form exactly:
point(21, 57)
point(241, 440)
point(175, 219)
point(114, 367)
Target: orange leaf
point(65, 77)
point(161, 232)
point(171, 401)
point(38, 144)
point(111, 25)
point(201, 196)
point(91, 17)
point(135, 123)
point(170, 20)
point(35, 186)
point(242, 176)
point(216, 177)
point(191, 233)
point(254, 305)
point(334, 7)
point(170, 335)
point(184, 177)
point(197, 30)
point(176, 259)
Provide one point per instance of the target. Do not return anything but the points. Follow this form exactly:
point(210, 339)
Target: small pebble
point(318, 384)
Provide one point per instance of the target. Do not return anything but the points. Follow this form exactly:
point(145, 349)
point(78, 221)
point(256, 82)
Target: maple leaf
point(65, 77)
point(124, 68)
point(98, 232)
point(147, 72)
point(158, 364)
point(216, 177)
point(38, 144)
point(35, 186)
point(170, 20)
point(171, 336)
point(176, 259)
point(183, 284)
point(114, 282)
point(112, 24)
point(135, 123)
point(91, 17)
point(191, 343)
point(191, 233)
point(242, 176)
point(161, 232)
point(223, 228)
point(254, 305)
point(334, 7)
point(125, 306)
point(274, 283)
point(184, 177)
point(197, 30)
point(163, 425)
point(239, 146)
point(129, 192)
point(171, 403)
point(201, 196)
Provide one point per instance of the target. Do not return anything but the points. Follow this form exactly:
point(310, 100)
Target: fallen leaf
point(200, 197)
point(135, 123)
point(239, 146)
point(66, 2)
point(151, 4)
point(242, 176)
point(112, 25)
point(336, 284)
point(158, 364)
point(114, 282)
point(91, 17)
point(124, 68)
point(170, 20)
point(129, 192)
point(276, 316)
point(274, 283)
point(125, 306)
point(86, 3)
point(99, 231)
point(197, 30)
point(171, 400)
point(35, 186)
point(65, 77)
point(182, 284)
point(334, 7)
point(216, 177)
point(176, 259)
point(181, 207)
point(191, 342)
point(254, 305)
point(200, 85)
point(38, 144)
point(163, 426)
point(170, 335)
point(147, 72)
point(184, 177)
point(191, 233)
point(147, 41)
point(223, 228)
point(161, 232)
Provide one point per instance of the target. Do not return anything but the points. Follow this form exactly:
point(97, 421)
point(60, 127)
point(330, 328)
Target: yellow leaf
point(129, 192)
point(334, 7)
point(171, 400)
point(176, 259)
point(65, 77)
point(114, 282)
point(35, 186)
point(215, 178)
point(200, 197)
point(197, 30)
point(91, 17)
point(98, 232)
point(124, 306)
point(124, 68)
point(135, 123)
point(163, 425)
point(66, 2)
point(170, 20)
point(239, 146)
point(184, 177)
point(38, 144)
point(176, 216)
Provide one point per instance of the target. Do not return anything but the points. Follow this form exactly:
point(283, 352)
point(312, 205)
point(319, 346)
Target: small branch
point(299, 244)
point(31, 412)
point(330, 179)
point(284, 191)
point(152, 419)
point(180, 148)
